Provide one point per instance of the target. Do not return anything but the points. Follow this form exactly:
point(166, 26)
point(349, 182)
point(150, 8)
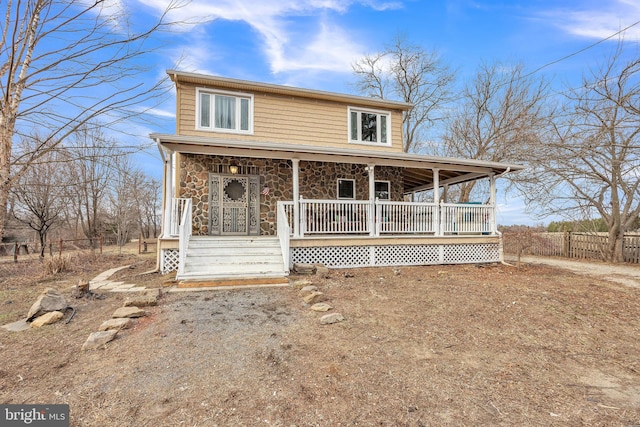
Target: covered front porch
point(393, 209)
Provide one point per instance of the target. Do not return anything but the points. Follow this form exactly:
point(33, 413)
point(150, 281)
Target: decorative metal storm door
point(234, 203)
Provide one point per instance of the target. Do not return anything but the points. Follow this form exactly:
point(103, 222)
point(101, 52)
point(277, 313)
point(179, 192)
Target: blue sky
point(312, 43)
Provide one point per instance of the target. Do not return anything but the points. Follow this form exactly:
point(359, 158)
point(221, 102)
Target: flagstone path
point(102, 282)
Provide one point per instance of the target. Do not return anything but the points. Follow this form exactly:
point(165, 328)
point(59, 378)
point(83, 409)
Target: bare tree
point(147, 194)
point(501, 112)
point(39, 196)
point(121, 209)
point(64, 63)
point(92, 165)
point(590, 165)
point(411, 74)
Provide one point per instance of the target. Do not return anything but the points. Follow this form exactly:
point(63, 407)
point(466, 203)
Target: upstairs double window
point(224, 111)
point(369, 126)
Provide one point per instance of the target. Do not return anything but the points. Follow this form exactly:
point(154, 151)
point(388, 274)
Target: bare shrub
point(57, 264)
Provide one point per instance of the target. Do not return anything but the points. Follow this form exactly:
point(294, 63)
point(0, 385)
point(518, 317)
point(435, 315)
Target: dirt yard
point(420, 346)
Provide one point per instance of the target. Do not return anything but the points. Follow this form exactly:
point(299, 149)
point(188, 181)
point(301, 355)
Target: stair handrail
point(184, 235)
point(284, 233)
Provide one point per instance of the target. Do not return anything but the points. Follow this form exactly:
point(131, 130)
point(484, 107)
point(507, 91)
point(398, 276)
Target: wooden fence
point(57, 247)
point(569, 245)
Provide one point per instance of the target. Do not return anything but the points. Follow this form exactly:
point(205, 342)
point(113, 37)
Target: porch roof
point(418, 169)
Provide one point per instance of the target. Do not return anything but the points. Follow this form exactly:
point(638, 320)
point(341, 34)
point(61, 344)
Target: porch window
point(224, 111)
point(346, 189)
point(382, 190)
point(369, 126)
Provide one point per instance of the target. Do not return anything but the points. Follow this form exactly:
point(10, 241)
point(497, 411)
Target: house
point(260, 176)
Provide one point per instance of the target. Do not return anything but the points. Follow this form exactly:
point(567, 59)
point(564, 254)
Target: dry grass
point(421, 346)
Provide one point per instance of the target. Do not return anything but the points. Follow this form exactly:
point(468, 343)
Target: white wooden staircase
point(233, 260)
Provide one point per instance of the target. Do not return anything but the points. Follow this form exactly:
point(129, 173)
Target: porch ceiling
point(418, 169)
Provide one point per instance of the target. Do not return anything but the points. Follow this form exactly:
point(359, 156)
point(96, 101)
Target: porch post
point(436, 200)
point(492, 202)
point(372, 200)
point(168, 195)
point(296, 197)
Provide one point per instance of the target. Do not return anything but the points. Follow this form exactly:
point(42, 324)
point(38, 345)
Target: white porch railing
point(393, 218)
point(177, 209)
point(467, 218)
point(184, 232)
point(403, 218)
point(285, 218)
point(361, 217)
point(335, 217)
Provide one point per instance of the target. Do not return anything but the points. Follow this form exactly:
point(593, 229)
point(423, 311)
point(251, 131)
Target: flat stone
point(117, 324)
point(123, 288)
point(302, 268)
point(122, 285)
point(98, 339)
point(20, 325)
point(137, 289)
point(141, 301)
point(314, 297)
point(329, 319)
point(47, 319)
point(128, 312)
point(321, 306)
point(154, 292)
point(301, 283)
point(48, 300)
point(322, 271)
point(308, 290)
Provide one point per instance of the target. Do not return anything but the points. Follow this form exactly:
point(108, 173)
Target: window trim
point(353, 186)
point(238, 96)
point(379, 113)
point(388, 189)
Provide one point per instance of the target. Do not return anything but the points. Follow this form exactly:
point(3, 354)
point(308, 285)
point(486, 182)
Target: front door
point(234, 201)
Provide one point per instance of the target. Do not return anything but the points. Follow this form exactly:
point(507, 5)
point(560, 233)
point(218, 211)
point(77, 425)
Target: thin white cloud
point(599, 20)
point(321, 45)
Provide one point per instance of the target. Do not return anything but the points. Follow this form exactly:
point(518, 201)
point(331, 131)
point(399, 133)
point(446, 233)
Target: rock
point(313, 297)
point(156, 293)
point(47, 319)
point(302, 268)
point(98, 339)
point(299, 284)
point(322, 271)
point(128, 312)
point(328, 319)
point(141, 301)
point(348, 275)
point(321, 306)
point(308, 290)
point(48, 300)
point(116, 324)
point(20, 325)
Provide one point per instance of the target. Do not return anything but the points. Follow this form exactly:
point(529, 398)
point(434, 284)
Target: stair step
point(220, 258)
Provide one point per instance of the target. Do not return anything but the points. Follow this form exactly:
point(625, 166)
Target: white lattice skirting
point(169, 260)
point(390, 255)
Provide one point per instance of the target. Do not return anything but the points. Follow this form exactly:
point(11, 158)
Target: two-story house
point(261, 176)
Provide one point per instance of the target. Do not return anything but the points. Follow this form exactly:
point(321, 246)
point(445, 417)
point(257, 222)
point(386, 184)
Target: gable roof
point(249, 86)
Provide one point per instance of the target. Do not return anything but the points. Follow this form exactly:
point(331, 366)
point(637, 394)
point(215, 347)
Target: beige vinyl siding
point(286, 119)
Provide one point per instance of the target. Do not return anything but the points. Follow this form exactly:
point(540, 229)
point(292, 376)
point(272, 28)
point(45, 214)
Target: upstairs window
point(369, 127)
point(225, 111)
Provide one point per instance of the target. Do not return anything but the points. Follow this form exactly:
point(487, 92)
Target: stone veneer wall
point(318, 180)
